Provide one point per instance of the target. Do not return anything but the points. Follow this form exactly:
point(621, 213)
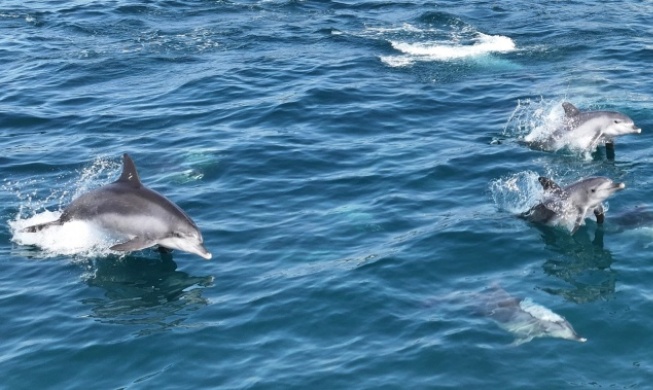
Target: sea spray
point(516, 193)
point(74, 238)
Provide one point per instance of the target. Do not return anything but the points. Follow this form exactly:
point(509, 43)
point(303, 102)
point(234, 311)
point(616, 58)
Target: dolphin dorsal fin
point(549, 185)
point(129, 174)
point(570, 110)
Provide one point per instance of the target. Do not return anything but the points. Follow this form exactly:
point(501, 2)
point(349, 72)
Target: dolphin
point(525, 318)
point(570, 205)
point(128, 209)
point(587, 130)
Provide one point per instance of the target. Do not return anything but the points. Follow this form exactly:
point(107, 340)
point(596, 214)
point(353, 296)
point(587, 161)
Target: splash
point(436, 52)
point(534, 120)
point(481, 46)
point(516, 193)
point(78, 238)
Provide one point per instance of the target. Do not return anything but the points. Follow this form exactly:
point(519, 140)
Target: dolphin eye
point(617, 121)
point(593, 190)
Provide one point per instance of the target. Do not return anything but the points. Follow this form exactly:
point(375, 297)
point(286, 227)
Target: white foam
point(72, 238)
point(486, 44)
point(397, 61)
point(77, 238)
point(436, 51)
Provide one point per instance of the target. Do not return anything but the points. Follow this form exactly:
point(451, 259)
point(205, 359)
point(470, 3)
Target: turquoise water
point(354, 167)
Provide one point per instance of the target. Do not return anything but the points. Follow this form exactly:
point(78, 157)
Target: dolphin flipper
point(135, 244)
point(41, 226)
point(579, 221)
point(599, 212)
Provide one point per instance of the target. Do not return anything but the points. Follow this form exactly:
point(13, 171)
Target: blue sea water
point(353, 165)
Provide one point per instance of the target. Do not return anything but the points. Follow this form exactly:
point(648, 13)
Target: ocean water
point(355, 168)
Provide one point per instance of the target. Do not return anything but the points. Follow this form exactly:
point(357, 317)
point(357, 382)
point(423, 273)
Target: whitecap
point(483, 45)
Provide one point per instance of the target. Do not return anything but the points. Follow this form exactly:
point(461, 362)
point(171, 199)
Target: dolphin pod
point(565, 206)
point(570, 206)
point(145, 218)
point(140, 216)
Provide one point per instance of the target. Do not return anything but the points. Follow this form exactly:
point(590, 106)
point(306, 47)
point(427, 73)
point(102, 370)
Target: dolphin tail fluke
point(41, 226)
point(135, 244)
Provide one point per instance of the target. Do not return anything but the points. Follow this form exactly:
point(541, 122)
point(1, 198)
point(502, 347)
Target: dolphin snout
point(201, 250)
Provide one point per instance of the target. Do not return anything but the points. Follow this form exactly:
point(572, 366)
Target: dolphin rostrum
point(587, 130)
point(526, 319)
point(131, 211)
point(570, 205)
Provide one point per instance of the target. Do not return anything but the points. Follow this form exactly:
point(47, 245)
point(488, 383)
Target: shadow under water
point(583, 263)
point(145, 291)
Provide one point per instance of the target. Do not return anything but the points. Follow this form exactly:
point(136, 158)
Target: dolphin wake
point(439, 39)
point(78, 238)
point(481, 45)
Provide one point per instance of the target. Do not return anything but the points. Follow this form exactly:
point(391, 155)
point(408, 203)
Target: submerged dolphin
point(128, 209)
point(526, 319)
point(571, 204)
point(587, 130)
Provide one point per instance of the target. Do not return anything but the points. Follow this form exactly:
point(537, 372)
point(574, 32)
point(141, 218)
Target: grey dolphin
point(571, 204)
point(587, 130)
point(525, 318)
point(128, 209)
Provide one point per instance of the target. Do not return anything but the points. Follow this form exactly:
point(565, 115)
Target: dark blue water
point(352, 166)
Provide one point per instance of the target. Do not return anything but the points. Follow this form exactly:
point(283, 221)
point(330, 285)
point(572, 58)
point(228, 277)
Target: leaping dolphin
point(128, 209)
point(571, 204)
point(587, 130)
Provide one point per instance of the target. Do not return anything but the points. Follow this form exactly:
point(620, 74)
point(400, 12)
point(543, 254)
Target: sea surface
point(356, 170)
